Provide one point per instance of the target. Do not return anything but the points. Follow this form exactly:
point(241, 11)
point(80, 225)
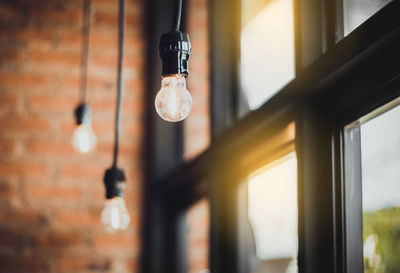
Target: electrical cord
point(121, 42)
point(85, 48)
point(178, 14)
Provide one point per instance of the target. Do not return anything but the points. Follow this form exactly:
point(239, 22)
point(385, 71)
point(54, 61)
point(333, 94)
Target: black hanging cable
point(121, 42)
point(114, 178)
point(178, 15)
point(85, 48)
point(175, 47)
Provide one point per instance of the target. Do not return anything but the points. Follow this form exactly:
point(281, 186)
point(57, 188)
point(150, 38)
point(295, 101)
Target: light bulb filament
point(114, 218)
point(173, 101)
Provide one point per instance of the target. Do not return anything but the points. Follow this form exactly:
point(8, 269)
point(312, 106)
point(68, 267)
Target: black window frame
point(335, 84)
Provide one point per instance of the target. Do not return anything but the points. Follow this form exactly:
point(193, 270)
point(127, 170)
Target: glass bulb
point(115, 216)
point(173, 101)
point(84, 140)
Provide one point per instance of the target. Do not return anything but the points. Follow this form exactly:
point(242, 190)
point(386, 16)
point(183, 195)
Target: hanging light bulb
point(115, 215)
point(173, 102)
point(83, 140)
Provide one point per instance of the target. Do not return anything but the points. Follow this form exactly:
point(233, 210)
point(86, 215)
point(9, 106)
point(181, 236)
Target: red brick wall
point(50, 196)
point(198, 223)
point(197, 125)
point(197, 131)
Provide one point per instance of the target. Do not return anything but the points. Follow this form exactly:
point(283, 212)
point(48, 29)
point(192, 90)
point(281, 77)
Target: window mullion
point(315, 178)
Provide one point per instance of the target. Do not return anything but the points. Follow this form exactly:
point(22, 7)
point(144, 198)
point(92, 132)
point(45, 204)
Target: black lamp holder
point(175, 48)
point(114, 181)
point(83, 114)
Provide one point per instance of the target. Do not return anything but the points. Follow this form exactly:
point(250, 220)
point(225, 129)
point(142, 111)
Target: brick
point(17, 265)
point(51, 191)
point(59, 239)
point(95, 82)
point(116, 240)
point(23, 168)
point(103, 127)
point(27, 216)
point(55, 17)
point(7, 101)
point(24, 80)
point(55, 58)
point(82, 170)
point(129, 106)
point(75, 263)
point(78, 218)
point(53, 103)
point(6, 239)
point(8, 12)
point(102, 39)
point(71, 38)
point(108, 19)
point(132, 265)
point(7, 189)
point(21, 124)
point(50, 147)
point(89, 263)
point(8, 147)
point(11, 55)
point(124, 150)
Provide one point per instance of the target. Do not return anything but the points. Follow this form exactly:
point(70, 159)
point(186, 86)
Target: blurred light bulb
point(173, 101)
point(84, 140)
point(115, 216)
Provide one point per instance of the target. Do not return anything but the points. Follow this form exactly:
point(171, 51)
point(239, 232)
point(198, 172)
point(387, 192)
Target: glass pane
point(355, 12)
point(380, 159)
point(198, 229)
point(267, 49)
point(272, 210)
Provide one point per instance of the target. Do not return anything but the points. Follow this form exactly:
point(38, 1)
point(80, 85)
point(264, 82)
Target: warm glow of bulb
point(173, 101)
point(115, 216)
point(84, 140)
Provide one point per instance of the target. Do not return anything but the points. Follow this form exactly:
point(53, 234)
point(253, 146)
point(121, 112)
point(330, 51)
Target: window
point(380, 161)
point(356, 12)
point(272, 211)
point(377, 177)
point(267, 49)
point(312, 200)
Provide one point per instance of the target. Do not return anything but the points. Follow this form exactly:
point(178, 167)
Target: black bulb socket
point(175, 50)
point(114, 181)
point(83, 114)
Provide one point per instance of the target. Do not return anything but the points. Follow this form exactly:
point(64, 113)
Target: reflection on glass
point(198, 228)
point(272, 210)
point(267, 48)
point(356, 12)
point(380, 158)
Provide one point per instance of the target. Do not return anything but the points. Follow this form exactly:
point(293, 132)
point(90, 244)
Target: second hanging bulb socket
point(83, 114)
point(114, 181)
